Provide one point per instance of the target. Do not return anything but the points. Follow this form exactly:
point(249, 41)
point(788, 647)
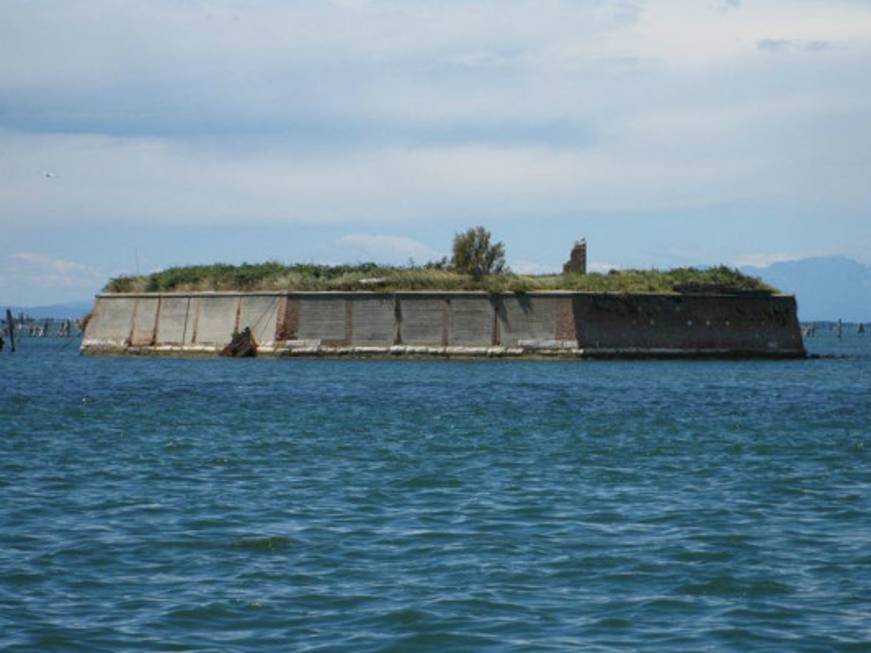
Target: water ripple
point(391, 506)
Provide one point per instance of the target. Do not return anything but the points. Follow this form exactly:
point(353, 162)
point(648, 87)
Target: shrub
point(475, 255)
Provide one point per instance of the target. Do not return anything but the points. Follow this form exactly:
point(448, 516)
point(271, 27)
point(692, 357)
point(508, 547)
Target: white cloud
point(44, 271)
point(168, 67)
point(662, 160)
point(764, 260)
point(387, 249)
point(371, 113)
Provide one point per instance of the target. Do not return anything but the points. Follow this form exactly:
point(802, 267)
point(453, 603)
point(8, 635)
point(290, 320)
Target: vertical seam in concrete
point(154, 332)
point(292, 314)
point(276, 301)
point(564, 319)
point(133, 321)
point(238, 315)
point(446, 317)
point(184, 331)
point(196, 324)
point(280, 317)
point(397, 320)
point(497, 335)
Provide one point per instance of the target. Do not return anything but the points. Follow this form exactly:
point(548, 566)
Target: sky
point(139, 135)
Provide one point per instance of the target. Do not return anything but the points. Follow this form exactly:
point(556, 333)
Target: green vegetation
point(432, 276)
point(476, 256)
point(477, 264)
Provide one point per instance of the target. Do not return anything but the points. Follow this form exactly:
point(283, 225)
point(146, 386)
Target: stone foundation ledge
point(402, 350)
point(282, 350)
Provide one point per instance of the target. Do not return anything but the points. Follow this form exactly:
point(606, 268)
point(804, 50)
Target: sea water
point(338, 505)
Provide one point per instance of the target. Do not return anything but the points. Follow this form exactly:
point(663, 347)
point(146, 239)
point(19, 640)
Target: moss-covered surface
point(369, 276)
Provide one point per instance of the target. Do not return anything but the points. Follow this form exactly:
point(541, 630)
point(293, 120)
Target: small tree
point(475, 255)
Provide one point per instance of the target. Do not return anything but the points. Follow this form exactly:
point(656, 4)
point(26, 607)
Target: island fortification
point(448, 324)
point(472, 306)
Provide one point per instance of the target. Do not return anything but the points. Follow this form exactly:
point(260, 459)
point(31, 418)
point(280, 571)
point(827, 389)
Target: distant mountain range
point(70, 311)
point(826, 287)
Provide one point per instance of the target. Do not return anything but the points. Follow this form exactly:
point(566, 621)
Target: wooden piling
point(10, 329)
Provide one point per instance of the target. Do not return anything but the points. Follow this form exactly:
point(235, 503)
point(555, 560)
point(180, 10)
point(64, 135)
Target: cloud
point(330, 72)
point(764, 260)
point(702, 152)
point(387, 249)
point(816, 46)
point(365, 111)
point(362, 115)
point(773, 45)
point(48, 272)
point(783, 45)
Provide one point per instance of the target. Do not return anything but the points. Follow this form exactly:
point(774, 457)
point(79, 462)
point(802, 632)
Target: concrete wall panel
point(144, 321)
point(260, 314)
point(374, 320)
point(217, 320)
point(605, 323)
point(173, 320)
point(527, 317)
point(288, 319)
point(422, 320)
point(742, 324)
point(322, 318)
point(472, 320)
point(112, 320)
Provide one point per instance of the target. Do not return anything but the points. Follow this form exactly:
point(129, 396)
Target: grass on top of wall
point(437, 276)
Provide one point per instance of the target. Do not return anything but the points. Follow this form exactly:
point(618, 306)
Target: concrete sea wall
point(565, 324)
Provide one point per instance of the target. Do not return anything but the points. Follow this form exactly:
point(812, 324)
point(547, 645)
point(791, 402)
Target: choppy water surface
point(151, 505)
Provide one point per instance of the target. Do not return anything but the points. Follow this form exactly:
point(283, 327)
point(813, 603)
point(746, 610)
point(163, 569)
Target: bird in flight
point(48, 175)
